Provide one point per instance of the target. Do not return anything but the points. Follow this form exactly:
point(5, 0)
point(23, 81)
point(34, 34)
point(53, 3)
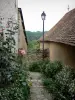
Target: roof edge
point(20, 10)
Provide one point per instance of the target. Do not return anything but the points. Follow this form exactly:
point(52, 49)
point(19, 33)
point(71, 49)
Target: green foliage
point(35, 66)
point(7, 64)
point(33, 35)
point(60, 81)
point(18, 89)
point(47, 81)
point(33, 38)
point(33, 45)
point(13, 84)
point(46, 67)
point(50, 69)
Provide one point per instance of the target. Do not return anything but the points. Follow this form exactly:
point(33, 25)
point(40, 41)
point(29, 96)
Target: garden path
point(37, 91)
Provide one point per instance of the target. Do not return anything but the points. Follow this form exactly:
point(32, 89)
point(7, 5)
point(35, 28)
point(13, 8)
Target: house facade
point(9, 18)
point(60, 40)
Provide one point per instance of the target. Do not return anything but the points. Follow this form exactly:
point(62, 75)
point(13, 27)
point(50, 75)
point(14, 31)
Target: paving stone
point(37, 89)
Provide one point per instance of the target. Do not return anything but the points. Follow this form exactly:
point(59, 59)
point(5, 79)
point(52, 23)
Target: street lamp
point(43, 16)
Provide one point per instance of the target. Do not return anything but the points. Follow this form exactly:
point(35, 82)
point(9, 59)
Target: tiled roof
point(63, 31)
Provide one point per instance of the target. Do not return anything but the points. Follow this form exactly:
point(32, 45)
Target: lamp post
point(43, 16)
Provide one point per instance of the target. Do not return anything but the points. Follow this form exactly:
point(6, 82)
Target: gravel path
point(37, 90)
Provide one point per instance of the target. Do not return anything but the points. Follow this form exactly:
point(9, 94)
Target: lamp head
point(43, 15)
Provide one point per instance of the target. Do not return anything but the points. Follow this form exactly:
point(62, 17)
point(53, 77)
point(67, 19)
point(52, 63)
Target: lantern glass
point(43, 15)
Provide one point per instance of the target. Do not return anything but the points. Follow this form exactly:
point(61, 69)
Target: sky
point(54, 9)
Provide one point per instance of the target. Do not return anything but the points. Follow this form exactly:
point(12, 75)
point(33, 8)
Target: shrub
point(14, 92)
point(44, 64)
point(38, 66)
point(13, 84)
point(50, 84)
point(46, 67)
point(62, 85)
point(34, 67)
point(50, 69)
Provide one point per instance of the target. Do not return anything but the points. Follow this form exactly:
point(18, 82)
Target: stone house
point(9, 13)
point(60, 40)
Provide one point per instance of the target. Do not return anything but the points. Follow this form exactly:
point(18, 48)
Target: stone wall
point(9, 9)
